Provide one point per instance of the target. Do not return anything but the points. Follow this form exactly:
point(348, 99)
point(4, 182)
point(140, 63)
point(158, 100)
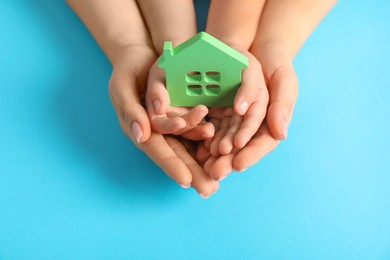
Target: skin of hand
point(263, 141)
point(282, 31)
point(283, 28)
point(172, 154)
point(165, 119)
point(132, 55)
point(237, 125)
point(175, 20)
point(235, 23)
point(169, 20)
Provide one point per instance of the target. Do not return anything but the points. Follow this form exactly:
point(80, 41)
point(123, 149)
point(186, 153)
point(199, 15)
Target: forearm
point(114, 24)
point(234, 22)
point(286, 24)
point(169, 20)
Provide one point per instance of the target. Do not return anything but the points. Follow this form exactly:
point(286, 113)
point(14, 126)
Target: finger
point(132, 116)
point(207, 143)
point(194, 117)
point(157, 102)
point(283, 88)
point(216, 123)
point(214, 147)
point(200, 181)
point(202, 153)
point(208, 164)
point(202, 132)
point(158, 149)
point(216, 112)
point(189, 145)
point(252, 121)
point(165, 125)
point(226, 144)
point(177, 111)
point(253, 87)
point(222, 167)
point(261, 144)
point(229, 112)
point(157, 97)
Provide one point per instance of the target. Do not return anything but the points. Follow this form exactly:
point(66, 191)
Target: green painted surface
point(202, 70)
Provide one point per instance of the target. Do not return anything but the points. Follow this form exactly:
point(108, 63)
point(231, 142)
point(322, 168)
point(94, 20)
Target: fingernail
point(157, 106)
point(203, 196)
point(243, 107)
point(283, 126)
point(185, 187)
point(137, 131)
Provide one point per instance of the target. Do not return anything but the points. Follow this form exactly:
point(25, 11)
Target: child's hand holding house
point(235, 126)
point(240, 123)
point(190, 123)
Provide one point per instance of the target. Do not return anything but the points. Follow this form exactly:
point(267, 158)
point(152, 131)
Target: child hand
point(237, 125)
point(283, 86)
point(165, 119)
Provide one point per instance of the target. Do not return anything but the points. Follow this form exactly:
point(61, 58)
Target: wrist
point(126, 54)
point(132, 65)
point(272, 55)
point(234, 43)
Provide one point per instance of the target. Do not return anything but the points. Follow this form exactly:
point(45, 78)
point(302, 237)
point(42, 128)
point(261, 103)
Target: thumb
point(253, 87)
point(283, 87)
point(131, 114)
point(137, 120)
point(157, 97)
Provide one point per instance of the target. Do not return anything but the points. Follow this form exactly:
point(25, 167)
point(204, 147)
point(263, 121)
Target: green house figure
point(202, 70)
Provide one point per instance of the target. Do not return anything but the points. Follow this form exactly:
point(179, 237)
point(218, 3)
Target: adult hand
point(125, 39)
point(127, 89)
point(282, 85)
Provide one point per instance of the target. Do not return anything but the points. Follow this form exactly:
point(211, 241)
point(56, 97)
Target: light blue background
point(73, 186)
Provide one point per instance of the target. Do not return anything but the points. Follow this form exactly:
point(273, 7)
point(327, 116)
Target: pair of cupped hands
point(200, 146)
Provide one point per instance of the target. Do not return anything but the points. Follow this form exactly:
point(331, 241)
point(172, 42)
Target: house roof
point(203, 36)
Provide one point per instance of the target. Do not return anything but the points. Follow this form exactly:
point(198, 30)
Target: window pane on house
point(213, 76)
point(213, 90)
point(194, 90)
point(193, 76)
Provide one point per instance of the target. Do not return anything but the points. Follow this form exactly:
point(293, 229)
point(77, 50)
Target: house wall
point(208, 60)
